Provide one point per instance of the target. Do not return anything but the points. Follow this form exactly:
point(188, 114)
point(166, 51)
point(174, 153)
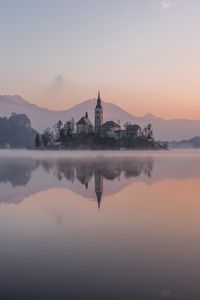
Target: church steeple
point(98, 114)
point(99, 100)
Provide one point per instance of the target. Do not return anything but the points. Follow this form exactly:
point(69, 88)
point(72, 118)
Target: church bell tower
point(98, 115)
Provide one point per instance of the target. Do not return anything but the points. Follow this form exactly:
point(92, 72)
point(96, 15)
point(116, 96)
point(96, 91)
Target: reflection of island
point(98, 186)
point(20, 178)
point(92, 178)
point(98, 170)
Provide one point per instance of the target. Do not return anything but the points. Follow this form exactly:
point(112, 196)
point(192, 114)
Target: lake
point(100, 225)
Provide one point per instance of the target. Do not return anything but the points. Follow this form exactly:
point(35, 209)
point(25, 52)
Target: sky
point(143, 55)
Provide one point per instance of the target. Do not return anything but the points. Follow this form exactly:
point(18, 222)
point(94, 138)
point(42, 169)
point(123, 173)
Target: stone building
point(84, 125)
point(133, 130)
point(110, 128)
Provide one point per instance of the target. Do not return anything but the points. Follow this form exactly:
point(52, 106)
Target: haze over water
point(99, 225)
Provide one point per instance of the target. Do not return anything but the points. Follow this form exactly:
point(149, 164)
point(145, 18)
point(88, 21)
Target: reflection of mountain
point(92, 178)
point(16, 171)
point(92, 174)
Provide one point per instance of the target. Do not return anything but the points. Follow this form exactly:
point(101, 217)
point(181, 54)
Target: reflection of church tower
point(98, 186)
point(98, 115)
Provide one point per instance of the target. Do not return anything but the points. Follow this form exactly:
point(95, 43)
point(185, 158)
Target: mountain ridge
point(171, 129)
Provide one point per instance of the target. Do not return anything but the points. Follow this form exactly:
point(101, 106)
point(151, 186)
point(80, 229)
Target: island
point(110, 135)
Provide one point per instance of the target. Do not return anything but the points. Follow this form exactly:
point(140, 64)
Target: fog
point(43, 154)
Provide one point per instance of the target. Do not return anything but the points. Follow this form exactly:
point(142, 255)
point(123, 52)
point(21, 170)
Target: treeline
point(193, 143)
point(63, 136)
point(61, 133)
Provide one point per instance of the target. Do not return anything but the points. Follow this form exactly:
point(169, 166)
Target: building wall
point(83, 129)
point(98, 119)
point(110, 129)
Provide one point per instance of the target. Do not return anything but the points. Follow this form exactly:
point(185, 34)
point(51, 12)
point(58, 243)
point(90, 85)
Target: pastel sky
point(143, 55)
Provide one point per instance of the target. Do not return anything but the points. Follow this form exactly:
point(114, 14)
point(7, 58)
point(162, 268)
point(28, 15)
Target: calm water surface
point(100, 225)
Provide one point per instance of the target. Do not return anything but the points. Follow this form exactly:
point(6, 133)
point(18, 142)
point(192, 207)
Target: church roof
point(110, 124)
point(84, 121)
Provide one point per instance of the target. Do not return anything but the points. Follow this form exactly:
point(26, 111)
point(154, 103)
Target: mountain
point(175, 129)
point(42, 117)
point(16, 132)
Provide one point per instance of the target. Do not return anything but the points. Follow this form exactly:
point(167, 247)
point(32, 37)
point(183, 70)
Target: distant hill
point(16, 132)
point(176, 129)
point(185, 144)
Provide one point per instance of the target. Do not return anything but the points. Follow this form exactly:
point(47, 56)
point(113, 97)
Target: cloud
point(56, 89)
point(58, 81)
point(167, 4)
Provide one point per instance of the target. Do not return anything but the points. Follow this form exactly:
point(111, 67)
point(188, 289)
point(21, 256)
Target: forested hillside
point(16, 132)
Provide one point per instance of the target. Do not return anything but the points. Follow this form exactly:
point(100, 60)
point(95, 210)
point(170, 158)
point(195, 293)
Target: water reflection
point(17, 171)
point(90, 173)
point(144, 243)
point(99, 170)
point(92, 178)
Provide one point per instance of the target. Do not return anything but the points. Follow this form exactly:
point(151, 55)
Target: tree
point(70, 127)
point(62, 135)
point(59, 125)
point(165, 145)
point(57, 129)
point(149, 132)
point(126, 124)
point(37, 141)
point(47, 137)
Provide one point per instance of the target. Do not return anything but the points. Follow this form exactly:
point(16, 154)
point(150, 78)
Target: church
point(85, 126)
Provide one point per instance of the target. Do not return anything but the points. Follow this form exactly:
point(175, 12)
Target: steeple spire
point(99, 100)
point(99, 200)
